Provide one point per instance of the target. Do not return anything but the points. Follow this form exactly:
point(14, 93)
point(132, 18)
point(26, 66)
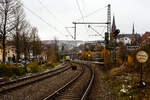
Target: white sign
point(142, 56)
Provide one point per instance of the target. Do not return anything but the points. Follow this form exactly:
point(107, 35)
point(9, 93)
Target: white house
point(126, 40)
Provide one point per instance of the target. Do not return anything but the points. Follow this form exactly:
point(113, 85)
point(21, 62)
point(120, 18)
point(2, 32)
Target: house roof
point(137, 36)
point(146, 36)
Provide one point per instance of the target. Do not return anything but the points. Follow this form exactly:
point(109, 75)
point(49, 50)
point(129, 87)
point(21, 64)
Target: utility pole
point(75, 31)
point(72, 36)
point(108, 23)
point(109, 20)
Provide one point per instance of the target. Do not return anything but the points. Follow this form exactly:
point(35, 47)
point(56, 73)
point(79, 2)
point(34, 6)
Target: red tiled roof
point(146, 36)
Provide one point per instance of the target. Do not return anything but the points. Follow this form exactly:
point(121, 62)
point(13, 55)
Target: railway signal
point(115, 33)
point(106, 39)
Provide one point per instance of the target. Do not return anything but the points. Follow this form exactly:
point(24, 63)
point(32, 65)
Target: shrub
point(105, 53)
point(116, 70)
point(33, 67)
point(10, 71)
point(130, 61)
point(18, 70)
point(86, 55)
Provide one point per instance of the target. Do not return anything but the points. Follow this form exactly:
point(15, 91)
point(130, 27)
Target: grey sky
point(63, 12)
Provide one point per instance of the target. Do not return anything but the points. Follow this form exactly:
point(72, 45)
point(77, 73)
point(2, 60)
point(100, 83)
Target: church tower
point(133, 30)
point(113, 28)
point(133, 37)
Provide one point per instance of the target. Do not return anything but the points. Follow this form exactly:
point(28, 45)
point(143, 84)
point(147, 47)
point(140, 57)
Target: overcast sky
point(52, 16)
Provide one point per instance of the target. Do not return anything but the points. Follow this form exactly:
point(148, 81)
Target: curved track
point(77, 89)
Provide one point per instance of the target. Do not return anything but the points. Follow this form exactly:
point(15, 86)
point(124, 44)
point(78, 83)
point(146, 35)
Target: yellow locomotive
point(67, 58)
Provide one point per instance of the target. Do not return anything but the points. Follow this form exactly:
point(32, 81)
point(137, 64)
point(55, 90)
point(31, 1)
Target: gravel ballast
point(41, 89)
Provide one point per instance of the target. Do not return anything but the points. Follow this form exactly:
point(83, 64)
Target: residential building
point(129, 39)
point(10, 53)
point(145, 38)
point(124, 38)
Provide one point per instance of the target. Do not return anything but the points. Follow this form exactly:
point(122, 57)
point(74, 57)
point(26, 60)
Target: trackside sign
point(142, 56)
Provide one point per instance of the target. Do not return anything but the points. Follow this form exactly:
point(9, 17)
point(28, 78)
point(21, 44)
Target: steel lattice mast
point(109, 21)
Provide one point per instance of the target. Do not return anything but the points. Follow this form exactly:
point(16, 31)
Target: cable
point(103, 30)
point(69, 32)
point(51, 13)
point(92, 13)
point(84, 7)
point(80, 10)
point(43, 20)
point(89, 26)
point(81, 13)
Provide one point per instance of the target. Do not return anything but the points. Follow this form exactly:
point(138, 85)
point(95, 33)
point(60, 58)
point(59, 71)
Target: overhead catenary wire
point(81, 13)
point(57, 19)
point(84, 5)
point(51, 13)
point(103, 29)
point(97, 10)
point(69, 31)
point(97, 31)
point(78, 5)
point(53, 27)
point(85, 11)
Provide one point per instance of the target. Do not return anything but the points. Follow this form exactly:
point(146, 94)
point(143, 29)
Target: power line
point(81, 13)
point(84, 7)
point(69, 31)
point(51, 13)
point(89, 26)
point(97, 10)
point(103, 29)
point(80, 10)
point(53, 27)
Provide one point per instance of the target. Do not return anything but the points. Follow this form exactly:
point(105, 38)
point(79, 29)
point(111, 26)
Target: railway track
point(77, 89)
point(18, 83)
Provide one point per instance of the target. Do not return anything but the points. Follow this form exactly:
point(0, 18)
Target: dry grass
point(116, 70)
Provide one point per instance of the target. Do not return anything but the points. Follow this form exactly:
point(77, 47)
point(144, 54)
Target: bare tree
point(38, 46)
point(52, 51)
point(35, 42)
point(56, 53)
point(6, 21)
point(26, 45)
point(19, 23)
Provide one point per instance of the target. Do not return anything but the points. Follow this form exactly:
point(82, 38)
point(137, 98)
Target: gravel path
point(99, 90)
point(39, 90)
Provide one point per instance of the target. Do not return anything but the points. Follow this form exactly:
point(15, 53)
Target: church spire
point(113, 24)
point(133, 30)
point(113, 28)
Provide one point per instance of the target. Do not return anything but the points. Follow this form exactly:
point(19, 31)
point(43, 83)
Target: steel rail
point(85, 94)
point(31, 76)
point(5, 89)
point(65, 86)
point(89, 85)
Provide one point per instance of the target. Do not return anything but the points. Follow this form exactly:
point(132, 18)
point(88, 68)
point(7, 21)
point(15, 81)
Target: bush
point(86, 55)
point(10, 71)
point(18, 70)
point(13, 71)
point(33, 67)
point(130, 63)
point(117, 70)
point(105, 53)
